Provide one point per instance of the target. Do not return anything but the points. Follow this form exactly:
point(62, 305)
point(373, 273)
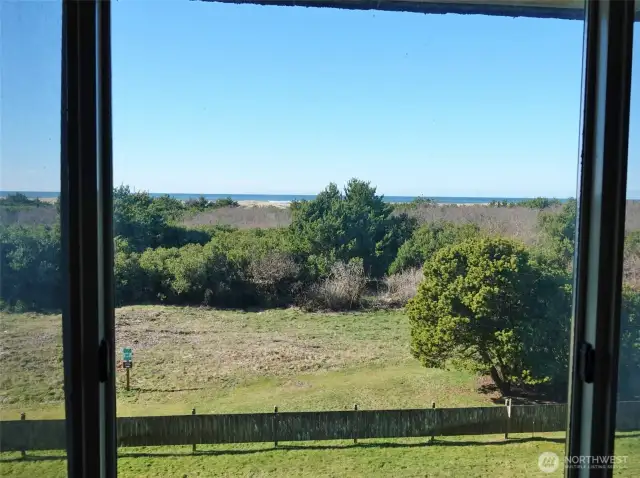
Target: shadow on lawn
point(436, 443)
point(345, 447)
point(281, 447)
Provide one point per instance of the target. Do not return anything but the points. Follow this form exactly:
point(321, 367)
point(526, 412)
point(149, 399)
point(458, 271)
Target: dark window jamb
point(599, 246)
point(86, 215)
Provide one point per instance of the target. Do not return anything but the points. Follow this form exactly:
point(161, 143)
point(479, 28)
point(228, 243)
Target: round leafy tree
point(483, 305)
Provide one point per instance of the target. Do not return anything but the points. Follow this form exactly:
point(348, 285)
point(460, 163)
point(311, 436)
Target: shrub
point(202, 204)
point(341, 290)
point(415, 203)
point(484, 305)
point(19, 209)
point(354, 224)
point(276, 277)
point(628, 380)
point(170, 208)
point(193, 274)
point(538, 203)
point(225, 202)
point(235, 268)
point(535, 203)
point(130, 279)
point(30, 261)
point(20, 199)
point(399, 288)
point(558, 231)
point(138, 218)
point(427, 240)
point(156, 284)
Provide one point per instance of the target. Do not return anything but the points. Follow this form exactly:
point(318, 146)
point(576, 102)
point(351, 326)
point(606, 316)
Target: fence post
point(355, 426)
point(433, 436)
point(507, 402)
point(193, 412)
point(275, 426)
point(533, 431)
point(23, 416)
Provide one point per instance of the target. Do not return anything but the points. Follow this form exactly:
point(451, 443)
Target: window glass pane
point(31, 284)
point(627, 447)
point(246, 280)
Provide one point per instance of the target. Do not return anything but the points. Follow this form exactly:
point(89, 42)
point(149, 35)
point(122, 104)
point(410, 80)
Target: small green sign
point(127, 354)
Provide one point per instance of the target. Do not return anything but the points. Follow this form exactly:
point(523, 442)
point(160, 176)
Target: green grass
point(455, 457)
point(230, 361)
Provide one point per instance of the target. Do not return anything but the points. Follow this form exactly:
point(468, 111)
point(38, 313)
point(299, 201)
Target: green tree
point(16, 199)
point(485, 306)
point(225, 202)
point(538, 203)
point(427, 240)
point(148, 222)
point(30, 260)
point(357, 223)
point(169, 207)
point(200, 204)
point(136, 219)
point(558, 230)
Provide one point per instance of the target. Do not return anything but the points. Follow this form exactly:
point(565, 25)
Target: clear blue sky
point(212, 98)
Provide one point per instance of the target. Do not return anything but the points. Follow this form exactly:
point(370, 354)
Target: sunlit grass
point(477, 456)
point(232, 361)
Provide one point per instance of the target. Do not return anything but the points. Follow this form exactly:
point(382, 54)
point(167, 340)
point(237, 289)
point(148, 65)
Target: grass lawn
point(231, 361)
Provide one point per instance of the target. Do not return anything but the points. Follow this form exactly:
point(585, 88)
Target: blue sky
point(212, 98)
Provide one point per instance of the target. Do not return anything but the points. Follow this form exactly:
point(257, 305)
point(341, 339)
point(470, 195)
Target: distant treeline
point(161, 260)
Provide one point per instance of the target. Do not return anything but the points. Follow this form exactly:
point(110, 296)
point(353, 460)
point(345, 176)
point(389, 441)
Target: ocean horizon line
point(280, 198)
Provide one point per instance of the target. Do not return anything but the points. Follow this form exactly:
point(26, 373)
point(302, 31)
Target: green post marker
point(127, 363)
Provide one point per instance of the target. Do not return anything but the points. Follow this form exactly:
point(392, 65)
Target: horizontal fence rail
point(21, 435)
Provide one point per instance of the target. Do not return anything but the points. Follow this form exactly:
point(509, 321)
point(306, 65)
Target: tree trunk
point(503, 386)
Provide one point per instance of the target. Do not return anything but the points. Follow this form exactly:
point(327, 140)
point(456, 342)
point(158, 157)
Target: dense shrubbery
point(427, 240)
point(535, 203)
point(234, 269)
point(148, 222)
point(399, 288)
point(342, 289)
point(159, 261)
point(19, 209)
point(20, 200)
point(416, 203)
point(30, 267)
point(203, 204)
point(356, 224)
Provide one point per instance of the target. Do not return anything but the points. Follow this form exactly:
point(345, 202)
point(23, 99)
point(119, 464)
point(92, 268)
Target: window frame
point(87, 234)
point(600, 232)
point(87, 245)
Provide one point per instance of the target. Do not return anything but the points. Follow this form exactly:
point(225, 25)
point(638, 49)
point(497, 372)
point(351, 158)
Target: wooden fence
point(303, 426)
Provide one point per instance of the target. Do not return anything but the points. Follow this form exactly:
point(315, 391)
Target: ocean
point(294, 197)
